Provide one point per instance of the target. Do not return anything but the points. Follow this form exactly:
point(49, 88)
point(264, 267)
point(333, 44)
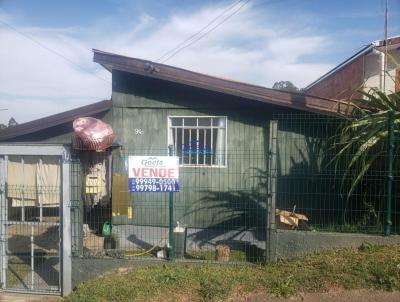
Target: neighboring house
point(365, 69)
point(56, 128)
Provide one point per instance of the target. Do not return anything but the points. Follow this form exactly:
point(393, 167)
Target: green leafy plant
point(363, 138)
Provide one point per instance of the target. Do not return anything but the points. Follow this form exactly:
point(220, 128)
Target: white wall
point(372, 70)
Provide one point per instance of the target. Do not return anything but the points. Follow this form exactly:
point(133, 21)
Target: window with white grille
point(199, 141)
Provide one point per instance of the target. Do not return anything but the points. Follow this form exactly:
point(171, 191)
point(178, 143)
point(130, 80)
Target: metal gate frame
point(65, 225)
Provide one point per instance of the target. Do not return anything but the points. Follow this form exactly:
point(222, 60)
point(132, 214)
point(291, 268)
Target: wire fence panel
point(30, 220)
point(222, 210)
point(336, 189)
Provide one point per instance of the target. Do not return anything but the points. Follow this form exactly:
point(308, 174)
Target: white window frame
point(170, 140)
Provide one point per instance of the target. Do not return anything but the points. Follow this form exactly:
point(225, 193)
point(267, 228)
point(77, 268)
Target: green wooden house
point(224, 133)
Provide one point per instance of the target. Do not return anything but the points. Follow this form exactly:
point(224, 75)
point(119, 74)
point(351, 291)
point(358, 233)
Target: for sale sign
point(153, 173)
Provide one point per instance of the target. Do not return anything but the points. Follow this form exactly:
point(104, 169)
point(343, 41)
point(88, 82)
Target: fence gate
point(32, 191)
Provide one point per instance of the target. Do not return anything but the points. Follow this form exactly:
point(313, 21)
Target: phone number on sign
point(153, 181)
point(154, 188)
point(153, 185)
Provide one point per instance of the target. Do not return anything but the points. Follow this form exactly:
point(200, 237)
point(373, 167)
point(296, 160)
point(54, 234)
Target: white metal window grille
point(199, 141)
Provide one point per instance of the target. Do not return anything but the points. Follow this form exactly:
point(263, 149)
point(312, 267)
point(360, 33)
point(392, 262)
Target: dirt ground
point(360, 295)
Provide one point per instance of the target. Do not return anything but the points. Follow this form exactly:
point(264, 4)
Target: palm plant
point(363, 139)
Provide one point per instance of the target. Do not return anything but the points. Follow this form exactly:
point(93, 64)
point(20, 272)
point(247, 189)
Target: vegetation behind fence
point(335, 187)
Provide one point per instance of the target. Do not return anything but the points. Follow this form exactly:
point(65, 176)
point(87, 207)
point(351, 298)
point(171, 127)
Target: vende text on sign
point(153, 173)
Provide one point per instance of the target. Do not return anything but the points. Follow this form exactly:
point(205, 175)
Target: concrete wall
point(84, 269)
point(288, 244)
point(298, 243)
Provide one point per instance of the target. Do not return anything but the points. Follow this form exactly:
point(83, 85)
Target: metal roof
point(54, 120)
point(146, 68)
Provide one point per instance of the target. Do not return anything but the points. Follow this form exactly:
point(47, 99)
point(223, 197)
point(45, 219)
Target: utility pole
point(386, 46)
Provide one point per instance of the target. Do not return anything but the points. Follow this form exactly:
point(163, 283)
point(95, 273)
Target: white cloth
point(34, 182)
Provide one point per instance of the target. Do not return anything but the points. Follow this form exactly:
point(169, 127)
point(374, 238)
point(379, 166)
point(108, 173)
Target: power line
point(198, 32)
point(51, 50)
point(207, 32)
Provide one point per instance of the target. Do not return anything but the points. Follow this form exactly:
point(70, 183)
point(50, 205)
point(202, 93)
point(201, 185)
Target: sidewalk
point(19, 297)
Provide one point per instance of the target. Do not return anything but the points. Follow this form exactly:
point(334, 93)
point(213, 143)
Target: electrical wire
point(51, 50)
point(198, 32)
point(181, 45)
point(206, 33)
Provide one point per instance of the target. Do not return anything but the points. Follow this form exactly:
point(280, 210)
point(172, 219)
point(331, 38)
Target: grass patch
point(369, 266)
point(16, 272)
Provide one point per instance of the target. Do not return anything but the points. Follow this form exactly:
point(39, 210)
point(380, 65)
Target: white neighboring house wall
point(364, 69)
point(373, 69)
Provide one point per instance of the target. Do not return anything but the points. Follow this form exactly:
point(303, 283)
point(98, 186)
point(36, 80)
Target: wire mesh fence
point(221, 210)
point(329, 181)
point(303, 176)
point(30, 194)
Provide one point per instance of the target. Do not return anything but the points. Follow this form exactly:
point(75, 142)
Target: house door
point(31, 212)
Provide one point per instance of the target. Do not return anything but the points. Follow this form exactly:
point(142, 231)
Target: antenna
point(386, 46)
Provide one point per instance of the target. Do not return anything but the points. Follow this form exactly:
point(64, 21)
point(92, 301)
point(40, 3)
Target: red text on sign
point(154, 172)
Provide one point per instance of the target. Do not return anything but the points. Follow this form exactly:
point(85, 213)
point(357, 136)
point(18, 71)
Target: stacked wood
point(222, 253)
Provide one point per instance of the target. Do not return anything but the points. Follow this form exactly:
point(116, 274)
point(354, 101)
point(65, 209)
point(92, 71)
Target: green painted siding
point(217, 197)
point(209, 196)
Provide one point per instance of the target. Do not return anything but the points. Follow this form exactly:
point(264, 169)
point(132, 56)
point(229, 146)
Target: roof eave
point(54, 120)
point(253, 92)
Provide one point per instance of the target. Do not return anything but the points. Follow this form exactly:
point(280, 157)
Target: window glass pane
point(220, 148)
point(205, 121)
point(190, 121)
point(176, 121)
point(215, 147)
point(219, 121)
point(186, 146)
point(179, 144)
point(173, 134)
point(201, 148)
point(208, 147)
point(193, 146)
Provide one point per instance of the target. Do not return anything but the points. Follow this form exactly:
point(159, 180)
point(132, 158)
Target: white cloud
point(25, 109)
point(249, 47)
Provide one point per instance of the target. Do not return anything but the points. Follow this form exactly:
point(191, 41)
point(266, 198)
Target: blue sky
point(267, 41)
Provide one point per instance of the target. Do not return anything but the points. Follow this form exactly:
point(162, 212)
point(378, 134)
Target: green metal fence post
point(389, 183)
point(171, 255)
point(272, 191)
